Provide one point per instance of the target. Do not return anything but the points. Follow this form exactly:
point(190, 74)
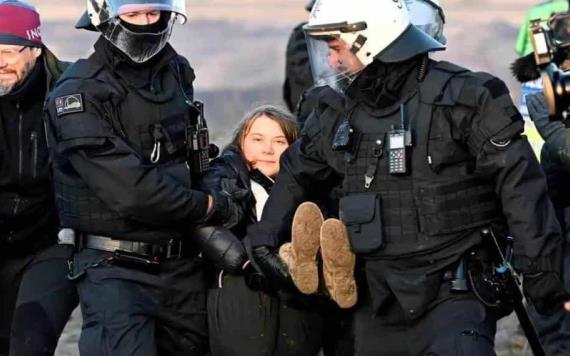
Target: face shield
point(333, 61)
point(139, 42)
point(428, 16)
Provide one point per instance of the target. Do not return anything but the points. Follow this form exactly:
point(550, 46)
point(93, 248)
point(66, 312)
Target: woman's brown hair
point(285, 121)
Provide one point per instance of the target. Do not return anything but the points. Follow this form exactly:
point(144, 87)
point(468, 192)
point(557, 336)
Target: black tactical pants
point(36, 299)
point(243, 322)
point(454, 327)
point(128, 310)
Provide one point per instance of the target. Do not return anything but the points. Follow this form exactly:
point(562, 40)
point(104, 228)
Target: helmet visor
point(138, 46)
point(333, 63)
point(109, 9)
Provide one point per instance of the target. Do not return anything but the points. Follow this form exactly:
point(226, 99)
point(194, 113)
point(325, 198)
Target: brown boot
point(338, 263)
point(300, 255)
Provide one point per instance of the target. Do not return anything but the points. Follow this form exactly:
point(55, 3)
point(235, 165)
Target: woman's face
point(263, 145)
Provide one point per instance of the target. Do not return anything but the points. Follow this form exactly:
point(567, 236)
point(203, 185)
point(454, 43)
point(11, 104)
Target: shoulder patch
point(69, 104)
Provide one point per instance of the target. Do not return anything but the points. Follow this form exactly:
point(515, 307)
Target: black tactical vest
point(439, 201)
point(153, 124)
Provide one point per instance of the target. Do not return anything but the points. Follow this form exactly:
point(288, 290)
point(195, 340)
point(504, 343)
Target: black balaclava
point(139, 42)
point(381, 84)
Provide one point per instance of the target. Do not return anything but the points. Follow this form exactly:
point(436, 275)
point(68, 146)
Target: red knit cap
point(19, 24)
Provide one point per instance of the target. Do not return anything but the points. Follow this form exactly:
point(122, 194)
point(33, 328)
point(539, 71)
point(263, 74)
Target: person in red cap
point(36, 298)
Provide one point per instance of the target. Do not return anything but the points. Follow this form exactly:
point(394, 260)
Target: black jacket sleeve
point(112, 169)
point(229, 176)
point(304, 174)
point(504, 156)
point(555, 134)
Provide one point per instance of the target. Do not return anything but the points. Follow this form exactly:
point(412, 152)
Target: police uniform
point(117, 132)
point(469, 168)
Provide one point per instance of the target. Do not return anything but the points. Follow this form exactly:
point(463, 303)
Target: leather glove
point(221, 247)
point(538, 111)
point(224, 212)
point(274, 269)
point(546, 292)
point(255, 279)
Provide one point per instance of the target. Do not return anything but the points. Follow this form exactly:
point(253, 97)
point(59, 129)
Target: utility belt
point(485, 270)
point(136, 252)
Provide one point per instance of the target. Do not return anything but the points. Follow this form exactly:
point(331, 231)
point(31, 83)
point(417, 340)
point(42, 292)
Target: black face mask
point(139, 42)
point(381, 84)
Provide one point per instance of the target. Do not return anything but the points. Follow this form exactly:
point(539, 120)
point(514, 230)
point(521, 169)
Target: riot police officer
point(117, 124)
point(427, 154)
point(300, 94)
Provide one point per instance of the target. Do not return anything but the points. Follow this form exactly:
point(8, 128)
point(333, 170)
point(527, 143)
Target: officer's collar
point(138, 75)
point(383, 86)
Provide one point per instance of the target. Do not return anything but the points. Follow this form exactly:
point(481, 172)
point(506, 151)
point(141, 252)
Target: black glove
point(221, 247)
point(536, 104)
point(255, 279)
point(546, 292)
point(223, 212)
point(274, 269)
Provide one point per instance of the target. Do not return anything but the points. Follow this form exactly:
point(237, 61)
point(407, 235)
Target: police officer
point(36, 298)
point(298, 76)
point(428, 154)
point(117, 124)
point(299, 92)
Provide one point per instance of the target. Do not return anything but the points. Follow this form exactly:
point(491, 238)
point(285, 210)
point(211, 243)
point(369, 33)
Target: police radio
point(199, 150)
point(397, 152)
point(399, 143)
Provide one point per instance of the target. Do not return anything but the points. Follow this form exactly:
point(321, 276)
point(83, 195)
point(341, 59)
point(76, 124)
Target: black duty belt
point(172, 249)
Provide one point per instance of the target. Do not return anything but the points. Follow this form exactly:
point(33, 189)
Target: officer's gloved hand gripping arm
point(302, 170)
point(505, 156)
point(115, 172)
point(555, 134)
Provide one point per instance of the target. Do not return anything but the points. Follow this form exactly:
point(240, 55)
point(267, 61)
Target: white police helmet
point(370, 29)
point(138, 43)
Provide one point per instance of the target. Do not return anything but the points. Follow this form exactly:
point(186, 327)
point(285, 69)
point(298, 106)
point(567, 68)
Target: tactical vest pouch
point(362, 215)
point(458, 206)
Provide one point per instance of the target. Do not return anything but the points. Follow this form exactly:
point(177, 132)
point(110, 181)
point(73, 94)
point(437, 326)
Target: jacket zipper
point(21, 144)
point(34, 139)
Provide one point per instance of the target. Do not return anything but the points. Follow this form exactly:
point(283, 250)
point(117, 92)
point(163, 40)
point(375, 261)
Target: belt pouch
point(362, 215)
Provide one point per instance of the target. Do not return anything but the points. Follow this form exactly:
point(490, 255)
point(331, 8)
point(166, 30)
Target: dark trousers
point(243, 322)
point(453, 327)
point(36, 301)
point(128, 310)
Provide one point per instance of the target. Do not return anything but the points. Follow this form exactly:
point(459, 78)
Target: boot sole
point(338, 263)
point(305, 235)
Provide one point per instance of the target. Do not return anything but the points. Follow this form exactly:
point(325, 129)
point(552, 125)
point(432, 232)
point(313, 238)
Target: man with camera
point(428, 155)
point(548, 64)
point(117, 127)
